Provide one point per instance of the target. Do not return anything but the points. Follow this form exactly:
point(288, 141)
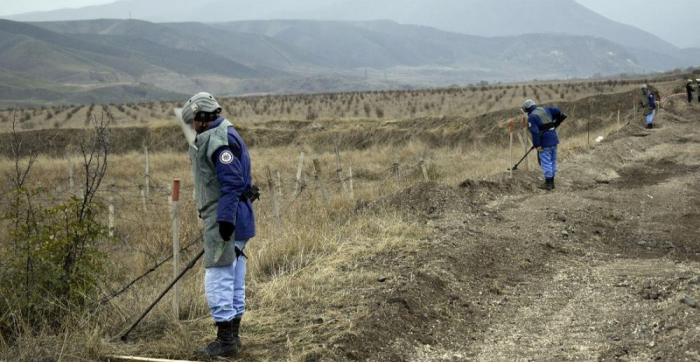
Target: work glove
point(226, 230)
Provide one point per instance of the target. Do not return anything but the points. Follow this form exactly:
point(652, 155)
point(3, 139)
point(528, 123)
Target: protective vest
point(207, 187)
point(547, 122)
point(207, 191)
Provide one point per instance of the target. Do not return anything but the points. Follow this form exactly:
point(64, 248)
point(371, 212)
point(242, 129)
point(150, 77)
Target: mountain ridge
point(474, 17)
point(288, 56)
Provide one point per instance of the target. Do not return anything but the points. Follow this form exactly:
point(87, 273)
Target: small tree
point(50, 260)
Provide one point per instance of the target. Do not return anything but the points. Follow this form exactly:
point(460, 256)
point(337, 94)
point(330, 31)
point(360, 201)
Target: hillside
point(293, 56)
point(476, 17)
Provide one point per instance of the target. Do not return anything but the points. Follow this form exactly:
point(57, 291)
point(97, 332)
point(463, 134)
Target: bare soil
point(593, 271)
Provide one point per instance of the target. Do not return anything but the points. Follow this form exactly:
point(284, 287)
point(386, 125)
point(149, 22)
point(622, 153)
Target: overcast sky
point(12, 7)
point(674, 23)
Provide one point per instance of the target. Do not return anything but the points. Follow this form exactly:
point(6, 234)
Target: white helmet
point(527, 105)
point(199, 103)
point(690, 81)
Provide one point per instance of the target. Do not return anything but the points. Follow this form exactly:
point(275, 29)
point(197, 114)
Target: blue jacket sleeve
point(533, 125)
point(652, 102)
point(230, 175)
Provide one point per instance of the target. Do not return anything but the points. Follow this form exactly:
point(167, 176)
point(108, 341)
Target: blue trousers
point(225, 289)
point(548, 161)
point(650, 118)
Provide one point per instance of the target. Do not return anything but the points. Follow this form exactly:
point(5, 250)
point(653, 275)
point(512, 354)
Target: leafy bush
point(51, 263)
point(49, 259)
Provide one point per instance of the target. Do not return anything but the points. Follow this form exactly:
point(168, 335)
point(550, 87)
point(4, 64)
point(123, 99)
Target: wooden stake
point(42, 194)
point(139, 359)
point(71, 182)
point(424, 169)
point(319, 182)
point(340, 166)
point(278, 186)
point(511, 127)
point(111, 209)
point(148, 176)
point(142, 191)
point(525, 130)
point(303, 182)
point(350, 183)
point(297, 178)
point(176, 247)
point(588, 126)
point(397, 169)
point(275, 200)
point(618, 116)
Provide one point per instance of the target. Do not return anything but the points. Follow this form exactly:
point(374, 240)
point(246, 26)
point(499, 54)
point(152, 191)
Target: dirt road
point(605, 268)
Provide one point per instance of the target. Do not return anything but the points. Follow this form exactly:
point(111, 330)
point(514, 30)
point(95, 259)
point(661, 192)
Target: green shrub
point(50, 263)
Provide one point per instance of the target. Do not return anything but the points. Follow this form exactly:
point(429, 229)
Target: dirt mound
point(422, 200)
point(500, 185)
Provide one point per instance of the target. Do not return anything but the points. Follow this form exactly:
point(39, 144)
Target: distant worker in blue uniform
point(543, 122)
point(648, 105)
point(224, 193)
point(689, 89)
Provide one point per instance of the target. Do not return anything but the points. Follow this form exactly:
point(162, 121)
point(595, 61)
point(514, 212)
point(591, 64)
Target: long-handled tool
point(189, 266)
point(521, 160)
point(558, 123)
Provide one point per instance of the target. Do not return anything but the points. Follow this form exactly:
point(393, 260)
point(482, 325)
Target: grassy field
point(301, 270)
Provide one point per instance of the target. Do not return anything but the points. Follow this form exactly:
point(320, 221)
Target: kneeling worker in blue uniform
point(224, 193)
point(542, 122)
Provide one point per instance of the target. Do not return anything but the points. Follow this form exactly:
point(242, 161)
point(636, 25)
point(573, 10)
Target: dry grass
point(294, 271)
point(303, 270)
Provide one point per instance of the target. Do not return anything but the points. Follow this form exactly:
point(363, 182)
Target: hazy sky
point(676, 23)
point(24, 6)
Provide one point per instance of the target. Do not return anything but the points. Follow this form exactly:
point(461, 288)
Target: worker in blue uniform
point(689, 90)
point(224, 193)
point(648, 106)
point(542, 122)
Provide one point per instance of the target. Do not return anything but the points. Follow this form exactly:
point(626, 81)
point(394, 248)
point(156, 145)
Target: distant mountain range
point(110, 60)
point(474, 17)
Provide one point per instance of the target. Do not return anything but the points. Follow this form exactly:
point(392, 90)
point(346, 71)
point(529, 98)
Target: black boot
point(225, 343)
point(548, 185)
point(236, 328)
point(650, 126)
point(553, 186)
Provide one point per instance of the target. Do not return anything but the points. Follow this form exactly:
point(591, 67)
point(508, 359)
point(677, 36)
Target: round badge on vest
point(226, 157)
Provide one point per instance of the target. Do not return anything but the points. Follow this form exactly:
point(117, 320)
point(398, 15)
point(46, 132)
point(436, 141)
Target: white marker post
point(525, 131)
point(148, 173)
point(176, 248)
point(71, 182)
point(510, 149)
